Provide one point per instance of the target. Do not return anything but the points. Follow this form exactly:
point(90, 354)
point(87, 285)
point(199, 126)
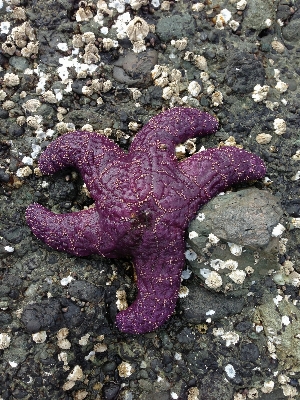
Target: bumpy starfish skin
point(144, 200)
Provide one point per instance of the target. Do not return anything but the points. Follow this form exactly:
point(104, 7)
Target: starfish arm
point(214, 170)
point(75, 233)
point(174, 126)
point(89, 152)
point(158, 280)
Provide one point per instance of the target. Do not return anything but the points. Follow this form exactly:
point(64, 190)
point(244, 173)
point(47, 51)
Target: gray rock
point(291, 32)
point(256, 14)
point(175, 27)
point(214, 386)
point(134, 69)
point(199, 301)
point(246, 251)
point(19, 63)
point(244, 71)
point(86, 291)
point(246, 217)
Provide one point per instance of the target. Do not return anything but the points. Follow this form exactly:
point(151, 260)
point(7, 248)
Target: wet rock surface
point(234, 340)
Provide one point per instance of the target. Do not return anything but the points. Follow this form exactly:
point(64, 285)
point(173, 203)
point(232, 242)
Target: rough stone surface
point(245, 217)
point(175, 27)
point(200, 301)
point(86, 291)
point(291, 32)
point(284, 336)
point(256, 14)
point(243, 72)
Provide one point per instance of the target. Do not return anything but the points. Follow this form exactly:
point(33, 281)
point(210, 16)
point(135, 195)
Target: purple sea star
point(144, 200)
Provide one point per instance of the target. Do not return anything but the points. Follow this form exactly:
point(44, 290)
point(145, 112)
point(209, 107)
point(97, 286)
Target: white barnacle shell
point(11, 79)
point(121, 300)
point(125, 369)
point(49, 97)
point(9, 47)
point(234, 25)
point(39, 337)
point(165, 6)
point(183, 291)
point(230, 371)
point(76, 374)
point(200, 62)
point(238, 276)
point(107, 44)
point(194, 88)
point(235, 249)
point(91, 54)
point(278, 230)
point(213, 238)
point(167, 93)
point(2, 95)
point(31, 105)
point(137, 4)
point(34, 121)
point(223, 18)
point(137, 29)
point(136, 94)
point(107, 85)
point(217, 98)
point(88, 37)
point(263, 138)
point(83, 14)
point(268, 387)
point(231, 338)
point(133, 126)
point(19, 13)
point(281, 86)
point(8, 105)
point(24, 172)
point(230, 264)
point(260, 93)
point(4, 340)
point(279, 126)
point(31, 49)
point(278, 46)
point(214, 280)
point(77, 41)
point(180, 44)
point(138, 46)
point(241, 5)
point(197, 7)
point(296, 222)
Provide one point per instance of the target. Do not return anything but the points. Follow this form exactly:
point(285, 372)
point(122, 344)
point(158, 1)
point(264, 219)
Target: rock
point(281, 324)
point(175, 27)
point(258, 14)
point(48, 314)
point(244, 71)
point(135, 69)
point(214, 386)
point(86, 291)
point(196, 306)
point(291, 31)
point(19, 63)
point(110, 391)
point(37, 317)
point(231, 237)
point(246, 217)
